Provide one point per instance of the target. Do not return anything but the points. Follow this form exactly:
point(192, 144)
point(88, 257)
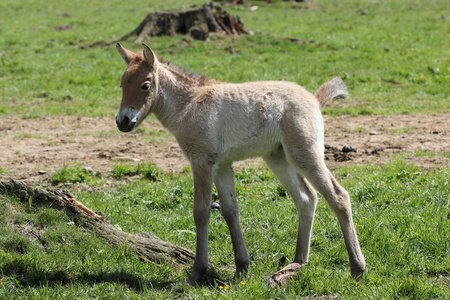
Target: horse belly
point(240, 146)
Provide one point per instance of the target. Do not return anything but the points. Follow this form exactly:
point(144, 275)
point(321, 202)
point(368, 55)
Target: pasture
point(57, 129)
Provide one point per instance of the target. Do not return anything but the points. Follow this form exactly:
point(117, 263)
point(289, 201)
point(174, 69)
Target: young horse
point(217, 123)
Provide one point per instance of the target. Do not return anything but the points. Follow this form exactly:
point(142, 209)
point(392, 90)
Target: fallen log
point(145, 244)
point(197, 22)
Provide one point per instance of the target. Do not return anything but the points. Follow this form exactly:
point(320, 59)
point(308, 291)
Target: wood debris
point(198, 22)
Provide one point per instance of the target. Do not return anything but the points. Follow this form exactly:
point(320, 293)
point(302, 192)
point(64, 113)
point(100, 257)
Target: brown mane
point(185, 75)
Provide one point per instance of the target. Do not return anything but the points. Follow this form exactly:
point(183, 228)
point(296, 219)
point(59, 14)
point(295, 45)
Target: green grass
point(423, 153)
point(394, 58)
point(401, 214)
point(76, 173)
point(147, 170)
point(393, 55)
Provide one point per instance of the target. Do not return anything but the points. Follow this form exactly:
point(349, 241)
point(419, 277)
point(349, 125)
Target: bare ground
point(33, 149)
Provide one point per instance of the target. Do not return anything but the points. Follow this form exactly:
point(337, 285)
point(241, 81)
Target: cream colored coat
point(218, 123)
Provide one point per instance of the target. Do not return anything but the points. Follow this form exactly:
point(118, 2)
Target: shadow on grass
point(213, 279)
point(27, 275)
point(131, 281)
point(36, 278)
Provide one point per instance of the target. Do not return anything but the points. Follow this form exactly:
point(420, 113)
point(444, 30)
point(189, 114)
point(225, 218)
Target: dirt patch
point(33, 149)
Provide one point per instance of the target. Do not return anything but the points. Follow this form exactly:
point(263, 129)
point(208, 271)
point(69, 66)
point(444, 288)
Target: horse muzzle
point(127, 119)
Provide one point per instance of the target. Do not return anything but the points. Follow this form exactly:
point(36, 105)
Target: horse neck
point(173, 93)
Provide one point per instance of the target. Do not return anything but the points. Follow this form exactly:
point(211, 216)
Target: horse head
point(139, 87)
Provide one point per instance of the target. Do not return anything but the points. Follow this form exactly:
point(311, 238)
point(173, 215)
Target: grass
point(77, 173)
point(29, 135)
point(400, 211)
point(398, 130)
point(393, 57)
point(428, 153)
point(147, 170)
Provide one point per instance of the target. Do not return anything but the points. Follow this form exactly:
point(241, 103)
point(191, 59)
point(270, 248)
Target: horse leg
point(224, 181)
point(304, 150)
point(202, 171)
point(304, 197)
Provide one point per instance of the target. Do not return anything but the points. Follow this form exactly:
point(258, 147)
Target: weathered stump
point(197, 22)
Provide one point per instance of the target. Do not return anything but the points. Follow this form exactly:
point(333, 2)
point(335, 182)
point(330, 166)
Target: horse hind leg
point(306, 156)
point(304, 197)
point(339, 201)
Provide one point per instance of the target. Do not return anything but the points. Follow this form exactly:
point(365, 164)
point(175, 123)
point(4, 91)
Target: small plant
point(443, 154)
point(149, 171)
point(74, 174)
point(186, 169)
point(398, 130)
point(419, 153)
point(281, 191)
point(122, 170)
point(252, 175)
point(29, 135)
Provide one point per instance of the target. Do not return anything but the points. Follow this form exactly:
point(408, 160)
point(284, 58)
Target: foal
point(217, 123)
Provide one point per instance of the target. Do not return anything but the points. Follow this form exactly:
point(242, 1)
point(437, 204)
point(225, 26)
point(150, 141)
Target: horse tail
point(331, 90)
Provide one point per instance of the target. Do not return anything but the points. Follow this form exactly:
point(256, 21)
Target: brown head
point(139, 87)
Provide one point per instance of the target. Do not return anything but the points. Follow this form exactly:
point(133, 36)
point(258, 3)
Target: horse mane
point(183, 74)
point(188, 76)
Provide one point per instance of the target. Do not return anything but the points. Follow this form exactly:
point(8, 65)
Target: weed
point(398, 130)
point(419, 153)
point(122, 170)
point(29, 135)
point(74, 174)
point(147, 170)
point(445, 154)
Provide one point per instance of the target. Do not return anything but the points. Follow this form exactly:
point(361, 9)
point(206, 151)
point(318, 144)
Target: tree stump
point(145, 244)
point(197, 22)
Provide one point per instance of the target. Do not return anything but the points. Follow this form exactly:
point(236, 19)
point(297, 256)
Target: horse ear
point(150, 56)
point(126, 55)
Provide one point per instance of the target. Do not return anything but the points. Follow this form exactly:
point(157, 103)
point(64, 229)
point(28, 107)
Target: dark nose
point(125, 125)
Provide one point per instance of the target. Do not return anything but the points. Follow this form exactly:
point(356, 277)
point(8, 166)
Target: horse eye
point(145, 86)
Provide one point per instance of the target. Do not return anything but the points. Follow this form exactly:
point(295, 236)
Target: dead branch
point(282, 277)
point(146, 244)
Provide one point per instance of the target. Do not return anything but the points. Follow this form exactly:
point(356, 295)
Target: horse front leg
point(224, 181)
point(202, 173)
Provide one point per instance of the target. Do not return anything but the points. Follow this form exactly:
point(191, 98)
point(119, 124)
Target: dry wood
point(146, 244)
point(197, 22)
point(283, 276)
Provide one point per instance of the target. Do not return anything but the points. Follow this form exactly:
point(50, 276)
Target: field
point(57, 130)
